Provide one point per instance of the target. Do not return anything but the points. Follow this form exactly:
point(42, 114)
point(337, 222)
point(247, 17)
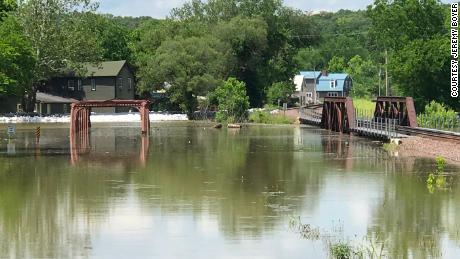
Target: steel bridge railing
point(377, 127)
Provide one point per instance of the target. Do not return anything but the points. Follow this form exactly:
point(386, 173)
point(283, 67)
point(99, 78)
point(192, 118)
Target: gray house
point(106, 81)
point(313, 86)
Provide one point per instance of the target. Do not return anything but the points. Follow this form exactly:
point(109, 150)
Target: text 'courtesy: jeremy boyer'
point(454, 50)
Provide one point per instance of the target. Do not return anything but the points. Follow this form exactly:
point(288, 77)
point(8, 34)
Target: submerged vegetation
point(337, 245)
point(437, 180)
point(390, 147)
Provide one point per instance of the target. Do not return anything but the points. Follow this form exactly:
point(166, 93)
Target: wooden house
point(105, 81)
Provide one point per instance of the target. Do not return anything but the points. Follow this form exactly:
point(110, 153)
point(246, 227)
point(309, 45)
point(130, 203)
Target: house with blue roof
point(312, 86)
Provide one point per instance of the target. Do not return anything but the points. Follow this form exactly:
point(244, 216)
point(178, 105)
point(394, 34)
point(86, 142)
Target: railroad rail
point(431, 133)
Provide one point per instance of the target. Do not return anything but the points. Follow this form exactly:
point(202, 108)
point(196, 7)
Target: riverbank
point(426, 147)
point(109, 117)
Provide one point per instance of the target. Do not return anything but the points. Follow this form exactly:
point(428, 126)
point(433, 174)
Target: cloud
point(153, 8)
point(328, 5)
point(162, 8)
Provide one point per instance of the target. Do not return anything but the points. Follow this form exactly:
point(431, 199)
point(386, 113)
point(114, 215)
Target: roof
point(334, 76)
point(325, 85)
point(106, 68)
point(298, 81)
point(48, 98)
point(324, 82)
point(101, 69)
point(310, 74)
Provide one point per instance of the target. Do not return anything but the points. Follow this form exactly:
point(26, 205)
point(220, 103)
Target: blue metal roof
point(334, 76)
point(325, 85)
point(324, 82)
point(310, 74)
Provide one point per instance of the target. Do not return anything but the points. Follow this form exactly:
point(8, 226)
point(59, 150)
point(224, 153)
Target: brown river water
point(191, 191)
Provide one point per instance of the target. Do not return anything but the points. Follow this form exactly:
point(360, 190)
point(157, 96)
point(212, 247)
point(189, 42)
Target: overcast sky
point(161, 8)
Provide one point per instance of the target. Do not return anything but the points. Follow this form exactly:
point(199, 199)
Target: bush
point(341, 251)
point(266, 117)
point(437, 115)
point(233, 101)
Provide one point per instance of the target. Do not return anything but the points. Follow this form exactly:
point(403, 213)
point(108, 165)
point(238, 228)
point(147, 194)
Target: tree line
point(208, 45)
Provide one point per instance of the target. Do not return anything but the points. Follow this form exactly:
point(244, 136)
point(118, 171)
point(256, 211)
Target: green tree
point(248, 40)
point(310, 59)
point(418, 47)
point(6, 6)
point(114, 37)
point(395, 23)
point(336, 64)
point(17, 60)
point(190, 66)
point(233, 101)
point(365, 77)
point(421, 70)
point(61, 36)
point(280, 91)
point(282, 25)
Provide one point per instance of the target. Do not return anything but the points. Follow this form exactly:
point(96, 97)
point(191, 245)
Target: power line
point(333, 34)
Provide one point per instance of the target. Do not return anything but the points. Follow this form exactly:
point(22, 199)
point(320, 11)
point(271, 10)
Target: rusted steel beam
point(80, 115)
point(336, 99)
point(112, 103)
point(351, 116)
point(338, 114)
point(399, 108)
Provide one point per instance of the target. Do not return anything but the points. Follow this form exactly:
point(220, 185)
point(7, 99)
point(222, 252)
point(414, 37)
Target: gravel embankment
point(426, 147)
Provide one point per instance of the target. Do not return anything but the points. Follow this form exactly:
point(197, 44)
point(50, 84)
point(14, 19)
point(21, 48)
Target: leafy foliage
point(17, 60)
point(418, 47)
point(437, 115)
point(233, 101)
point(191, 66)
point(61, 37)
point(280, 91)
point(266, 117)
point(261, 35)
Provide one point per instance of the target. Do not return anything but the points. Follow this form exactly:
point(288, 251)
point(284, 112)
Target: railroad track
point(429, 133)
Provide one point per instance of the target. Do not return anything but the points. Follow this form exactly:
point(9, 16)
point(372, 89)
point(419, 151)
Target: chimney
point(324, 73)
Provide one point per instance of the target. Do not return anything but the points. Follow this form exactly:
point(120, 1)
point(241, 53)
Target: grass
point(390, 147)
point(266, 117)
point(364, 104)
point(341, 251)
point(371, 246)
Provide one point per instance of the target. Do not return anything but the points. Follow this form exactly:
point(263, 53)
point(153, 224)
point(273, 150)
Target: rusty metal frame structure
point(399, 108)
point(80, 114)
point(338, 114)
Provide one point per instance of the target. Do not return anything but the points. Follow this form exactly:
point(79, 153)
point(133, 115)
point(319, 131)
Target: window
point(332, 94)
point(309, 94)
point(120, 82)
point(333, 84)
point(130, 84)
point(71, 85)
point(93, 84)
point(79, 86)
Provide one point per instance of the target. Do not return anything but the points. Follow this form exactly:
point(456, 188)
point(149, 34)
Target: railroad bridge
point(339, 114)
point(80, 124)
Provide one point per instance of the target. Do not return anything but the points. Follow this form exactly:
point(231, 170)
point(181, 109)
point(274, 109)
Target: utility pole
point(380, 78)
point(386, 72)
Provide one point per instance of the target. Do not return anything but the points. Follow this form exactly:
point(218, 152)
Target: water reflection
point(80, 147)
point(190, 189)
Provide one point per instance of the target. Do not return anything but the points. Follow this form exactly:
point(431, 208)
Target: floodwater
point(191, 191)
